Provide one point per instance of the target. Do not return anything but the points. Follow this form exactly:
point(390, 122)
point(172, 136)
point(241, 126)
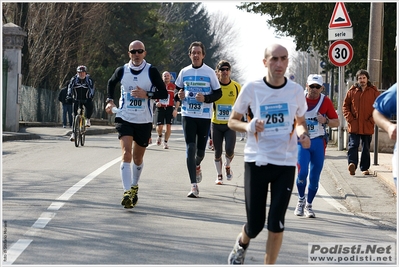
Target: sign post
point(340, 54)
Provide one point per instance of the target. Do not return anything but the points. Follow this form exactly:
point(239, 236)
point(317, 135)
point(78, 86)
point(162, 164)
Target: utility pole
point(374, 55)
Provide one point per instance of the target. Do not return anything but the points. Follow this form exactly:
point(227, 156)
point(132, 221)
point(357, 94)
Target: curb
point(385, 175)
point(19, 136)
point(9, 136)
point(344, 189)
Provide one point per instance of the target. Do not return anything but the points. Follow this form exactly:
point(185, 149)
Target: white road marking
point(43, 220)
point(56, 205)
point(18, 247)
point(16, 250)
point(75, 188)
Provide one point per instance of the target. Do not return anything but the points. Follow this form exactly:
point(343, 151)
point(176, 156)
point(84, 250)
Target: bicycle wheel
point(76, 128)
point(83, 133)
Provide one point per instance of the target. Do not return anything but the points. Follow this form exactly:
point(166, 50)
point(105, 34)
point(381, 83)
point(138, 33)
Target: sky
point(254, 37)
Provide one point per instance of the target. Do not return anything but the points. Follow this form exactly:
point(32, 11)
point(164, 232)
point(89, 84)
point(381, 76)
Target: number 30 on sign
point(340, 53)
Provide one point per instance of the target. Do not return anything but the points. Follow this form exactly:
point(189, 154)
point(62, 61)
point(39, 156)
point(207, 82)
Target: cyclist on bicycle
point(81, 89)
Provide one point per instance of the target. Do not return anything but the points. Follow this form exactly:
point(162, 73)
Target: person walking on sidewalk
point(66, 106)
point(81, 88)
point(140, 84)
point(320, 114)
point(276, 106)
point(385, 107)
point(221, 112)
point(166, 110)
point(197, 87)
point(358, 112)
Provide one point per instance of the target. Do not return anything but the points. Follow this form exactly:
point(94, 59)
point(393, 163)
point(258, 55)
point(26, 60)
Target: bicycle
point(79, 124)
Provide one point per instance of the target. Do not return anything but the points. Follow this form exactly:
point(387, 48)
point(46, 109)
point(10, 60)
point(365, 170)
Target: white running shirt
point(315, 128)
point(277, 144)
point(197, 80)
point(137, 110)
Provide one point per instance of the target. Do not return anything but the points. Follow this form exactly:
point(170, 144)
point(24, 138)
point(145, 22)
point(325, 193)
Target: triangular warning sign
point(340, 17)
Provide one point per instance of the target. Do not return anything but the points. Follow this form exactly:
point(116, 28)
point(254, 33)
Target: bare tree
point(57, 35)
point(225, 36)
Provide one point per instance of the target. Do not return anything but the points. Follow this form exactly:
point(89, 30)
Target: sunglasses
point(315, 86)
point(224, 69)
point(140, 51)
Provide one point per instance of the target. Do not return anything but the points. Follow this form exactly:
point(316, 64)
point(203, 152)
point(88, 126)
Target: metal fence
point(42, 105)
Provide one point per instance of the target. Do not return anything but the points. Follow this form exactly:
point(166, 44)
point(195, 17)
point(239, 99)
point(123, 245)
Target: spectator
point(66, 106)
point(358, 112)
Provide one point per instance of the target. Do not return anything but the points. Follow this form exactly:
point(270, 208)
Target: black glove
point(68, 99)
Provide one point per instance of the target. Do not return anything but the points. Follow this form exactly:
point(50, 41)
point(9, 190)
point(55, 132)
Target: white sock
point(228, 161)
point(136, 173)
point(218, 165)
point(126, 175)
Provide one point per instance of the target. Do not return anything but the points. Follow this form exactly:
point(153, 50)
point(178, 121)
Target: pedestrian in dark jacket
point(66, 106)
point(358, 112)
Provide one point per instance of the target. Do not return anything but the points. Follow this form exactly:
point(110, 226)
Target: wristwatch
point(327, 121)
point(150, 94)
point(108, 100)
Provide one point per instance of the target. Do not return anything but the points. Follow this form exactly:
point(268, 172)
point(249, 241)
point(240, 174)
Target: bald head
point(166, 77)
point(275, 48)
point(276, 62)
point(135, 44)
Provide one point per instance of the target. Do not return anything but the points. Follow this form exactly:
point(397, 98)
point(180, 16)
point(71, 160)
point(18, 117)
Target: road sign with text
point(340, 34)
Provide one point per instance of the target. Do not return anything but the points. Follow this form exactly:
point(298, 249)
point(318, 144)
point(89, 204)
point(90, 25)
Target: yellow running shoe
point(127, 200)
point(134, 190)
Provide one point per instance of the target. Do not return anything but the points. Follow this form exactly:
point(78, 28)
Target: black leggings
point(222, 132)
point(88, 108)
point(256, 183)
point(196, 131)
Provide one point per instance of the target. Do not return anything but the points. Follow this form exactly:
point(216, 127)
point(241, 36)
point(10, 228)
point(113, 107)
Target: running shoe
point(198, 174)
point(72, 138)
point(352, 169)
point(309, 211)
point(134, 192)
point(88, 124)
point(194, 193)
point(165, 145)
point(229, 173)
point(127, 200)
point(237, 255)
point(219, 180)
point(210, 144)
point(159, 141)
point(299, 207)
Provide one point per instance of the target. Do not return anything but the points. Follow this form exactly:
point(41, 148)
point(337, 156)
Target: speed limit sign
point(340, 53)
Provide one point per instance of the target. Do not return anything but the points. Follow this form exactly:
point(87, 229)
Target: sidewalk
point(372, 194)
point(360, 191)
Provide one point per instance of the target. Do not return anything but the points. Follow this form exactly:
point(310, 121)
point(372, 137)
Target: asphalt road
point(61, 205)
